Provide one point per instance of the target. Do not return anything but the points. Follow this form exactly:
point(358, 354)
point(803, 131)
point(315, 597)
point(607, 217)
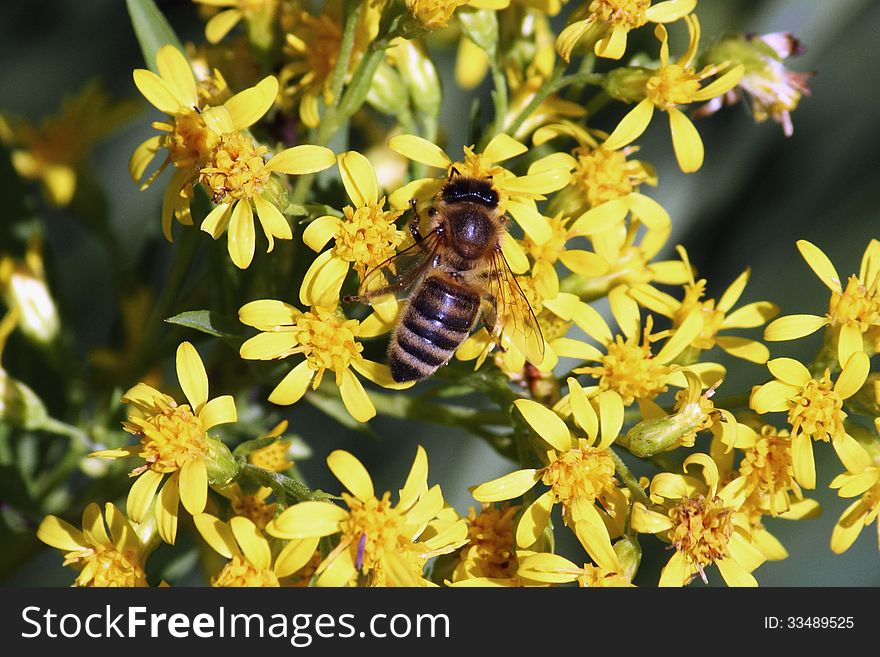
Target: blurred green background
point(757, 193)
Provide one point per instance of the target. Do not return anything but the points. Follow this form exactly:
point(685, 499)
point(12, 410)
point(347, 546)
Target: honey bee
point(456, 275)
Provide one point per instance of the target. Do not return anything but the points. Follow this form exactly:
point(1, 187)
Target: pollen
point(672, 85)
point(859, 304)
point(602, 174)
point(103, 567)
point(701, 529)
point(188, 140)
point(236, 169)
point(240, 573)
point(629, 369)
point(817, 410)
point(584, 473)
point(328, 342)
point(490, 549)
point(367, 237)
point(630, 13)
point(170, 437)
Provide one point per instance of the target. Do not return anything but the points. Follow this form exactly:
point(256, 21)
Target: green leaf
point(207, 321)
point(152, 29)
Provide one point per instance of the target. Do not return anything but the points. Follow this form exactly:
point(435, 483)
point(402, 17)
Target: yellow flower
point(433, 14)
point(221, 23)
point(556, 569)
point(24, 288)
point(54, 152)
point(771, 90)
point(251, 505)
point(490, 550)
point(717, 316)
point(629, 367)
point(327, 340)
point(237, 177)
point(704, 525)
point(379, 543)
point(579, 473)
point(250, 556)
point(272, 457)
point(365, 237)
point(666, 88)
point(608, 22)
point(193, 129)
point(116, 558)
point(602, 174)
point(312, 47)
point(853, 317)
point(174, 441)
point(864, 484)
point(815, 410)
point(516, 194)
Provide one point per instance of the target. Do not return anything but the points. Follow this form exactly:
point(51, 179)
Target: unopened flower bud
point(388, 93)
point(481, 27)
point(24, 288)
point(627, 83)
point(19, 405)
point(629, 554)
point(419, 76)
point(221, 464)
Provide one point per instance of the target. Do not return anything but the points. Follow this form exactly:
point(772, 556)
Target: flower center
point(240, 572)
point(672, 85)
point(768, 470)
point(254, 507)
point(171, 437)
point(859, 304)
point(549, 251)
point(594, 577)
point(817, 410)
point(189, 141)
point(433, 14)
point(103, 567)
point(584, 473)
point(701, 529)
point(490, 549)
point(368, 237)
point(712, 317)
point(236, 168)
point(630, 13)
point(327, 340)
point(602, 174)
point(272, 457)
point(553, 326)
point(629, 368)
point(375, 529)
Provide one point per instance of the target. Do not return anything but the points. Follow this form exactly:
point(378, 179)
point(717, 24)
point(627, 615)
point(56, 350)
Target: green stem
point(499, 94)
point(291, 488)
point(337, 79)
point(629, 479)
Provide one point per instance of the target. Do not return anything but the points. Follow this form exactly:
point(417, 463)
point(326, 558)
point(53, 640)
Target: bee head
point(465, 189)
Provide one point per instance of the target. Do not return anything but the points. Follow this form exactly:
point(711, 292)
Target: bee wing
point(520, 328)
point(399, 272)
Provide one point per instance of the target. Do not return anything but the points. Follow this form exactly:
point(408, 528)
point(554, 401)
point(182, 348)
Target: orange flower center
point(170, 437)
point(367, 237)
point(584, 473)
point(630, 13)
point(189, 141)
point(768, 470)
point(672, 85)
point(237, 169)
point(490, 550)
point(859, 304)
point(701, 529)
point(240, 572)
point(602, 174)
point(103, 567)
point(817, 410)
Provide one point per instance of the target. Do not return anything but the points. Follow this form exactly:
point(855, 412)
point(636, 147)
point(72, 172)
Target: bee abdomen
point(436, 321)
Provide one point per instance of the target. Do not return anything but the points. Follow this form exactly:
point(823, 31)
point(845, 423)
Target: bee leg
point(415, 221)
point(491, 320)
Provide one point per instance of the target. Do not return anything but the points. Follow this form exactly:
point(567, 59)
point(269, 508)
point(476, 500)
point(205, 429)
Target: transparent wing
point(400, 272)
point(515, 324)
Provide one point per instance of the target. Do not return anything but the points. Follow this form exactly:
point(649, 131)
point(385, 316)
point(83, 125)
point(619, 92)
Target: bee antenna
point(454, 172)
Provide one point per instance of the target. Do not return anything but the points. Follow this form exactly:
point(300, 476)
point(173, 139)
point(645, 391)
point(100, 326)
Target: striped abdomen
point(437, 319)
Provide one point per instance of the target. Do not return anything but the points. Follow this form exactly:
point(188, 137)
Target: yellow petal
point(272, 221)
point(851, 453)
point(220, 410)
point(307, 519)
point(293, 386)
point(744, 348)
point(571, 348)
point(625, 311)
point(685, 141)
point(676, 572)
point(323, 281)
point(536, 185)
point(156, 90)
point(267, 314)
point(534, 520)
point(220, 24)
point(192, 376)
point(60, 534)
point(175, 70)
point(217, 220)
point(167, 509)
point(648, 211)
point(320, 231)
point(593, 535)
point(142, 157)
point(585, 263)
point(355, 397)
point(769, 545)
point(241, 234)
point(471, 64)
point(358, 178)
point(141, 494)
point(772, 397)
point(249, 106)
point(507, 487)
point(351, 473)
point(690, 328)
point(302, 159)
point(631, 126)
point(589, 319)
point(734, 574)
point(569, 37)
point(420, 189)
point(789, 370)
point(751, 315)
point(849, 342)
point(646, 521)
point(848, 528)
point(792, 327)
point(533, 223)
point(548, 568)
point(194, 485)
point(610, 417)
point(545, 423)
point(582, 410)
point(420, 150)
point(722, 84)
point(295, 555)
point(515, 256)
point(853, 375)
point(338, 572)
point(669, 11)
point(217, 534)
point(416, 481)
point(268, 346)
point(614, 45)
point(503, 147)
point(820, 264)
point(251, 541)
point(802, 461)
